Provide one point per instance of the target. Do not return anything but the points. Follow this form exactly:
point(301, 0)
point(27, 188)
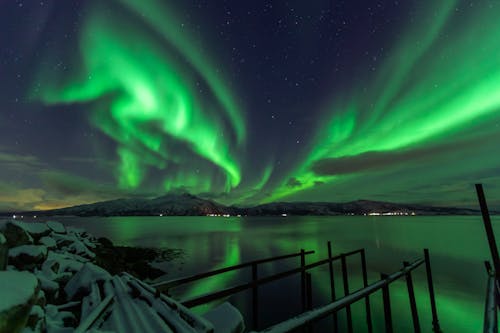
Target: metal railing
point(306, 287)
point(492, 289)
point(306, 290)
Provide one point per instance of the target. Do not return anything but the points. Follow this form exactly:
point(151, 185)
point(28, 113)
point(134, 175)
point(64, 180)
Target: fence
point(306, 289)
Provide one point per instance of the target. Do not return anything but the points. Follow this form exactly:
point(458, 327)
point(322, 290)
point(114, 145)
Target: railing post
point(413, 303)
point(490, 307)
point(346, 292)
point(387, 306)
point(367, 299)
point(303, 279)
point(309, 291)
point(332, 286)
point(430, 285)
point(309, 327)
point(489, 230)
point(255, 298)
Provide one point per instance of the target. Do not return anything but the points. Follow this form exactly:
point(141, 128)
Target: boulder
point(19, 292)
point(49, 242)
point(16, 235)
point(3, 252)
point(36, 230)
point(36, 319)
point(57, 227)
point(81, 282)
point(226, 319)
point(27, 257)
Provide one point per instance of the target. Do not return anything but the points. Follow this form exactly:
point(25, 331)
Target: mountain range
point(191, 205)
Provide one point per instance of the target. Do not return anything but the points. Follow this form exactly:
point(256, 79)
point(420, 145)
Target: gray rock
point(57, 227)
point(49, 242)
point(19, 292)
point(3, 252)
point(82, 280)
point(16, 235)
point(27, 257)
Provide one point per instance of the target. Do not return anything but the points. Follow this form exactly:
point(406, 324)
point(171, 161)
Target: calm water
point(457, 245)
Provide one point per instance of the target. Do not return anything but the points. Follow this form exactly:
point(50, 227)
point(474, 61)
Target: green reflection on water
point(457, 246)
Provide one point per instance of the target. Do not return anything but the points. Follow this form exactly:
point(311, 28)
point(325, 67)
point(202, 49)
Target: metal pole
point(346, 292)
point(255, 298)
point(332, 286)
point(490, 309)
point(489, 230)
point(430, 285)
point(303, 279)
point(387, 305)
point(413, 303)
point(309, 327)
point(367, 299)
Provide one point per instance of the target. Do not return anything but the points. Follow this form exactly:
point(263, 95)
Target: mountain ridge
point(186, 204)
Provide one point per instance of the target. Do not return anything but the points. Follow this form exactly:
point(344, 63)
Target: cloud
point(19, 161)
point(293, 182)
point(379, 160)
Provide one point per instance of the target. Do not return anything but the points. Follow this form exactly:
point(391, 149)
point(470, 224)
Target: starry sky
point(248, 102)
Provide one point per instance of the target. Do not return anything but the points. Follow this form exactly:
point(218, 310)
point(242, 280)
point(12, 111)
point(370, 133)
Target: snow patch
point(82, 280)
point(29, 250)
point(56, 227)
point(226, 319)
point(18, 293)
point(49, 242)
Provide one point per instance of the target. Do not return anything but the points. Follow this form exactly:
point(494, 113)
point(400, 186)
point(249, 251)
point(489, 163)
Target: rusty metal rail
point(165, 286)
point(326, 310)
point(199, 300)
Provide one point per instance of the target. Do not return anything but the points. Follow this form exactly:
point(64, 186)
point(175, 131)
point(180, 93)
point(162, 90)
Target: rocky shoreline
point(51, 267)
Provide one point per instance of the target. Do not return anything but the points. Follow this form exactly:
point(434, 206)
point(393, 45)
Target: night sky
point(247, 102)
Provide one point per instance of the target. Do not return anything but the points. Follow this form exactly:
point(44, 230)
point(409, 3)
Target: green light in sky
point(440, 79)
point(149, 97)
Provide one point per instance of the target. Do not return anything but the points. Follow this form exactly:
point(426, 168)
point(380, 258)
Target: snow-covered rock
point(59, 321)
point(50, 287)
point(36, 319)
point(226, 319)
point(17, 299)
point(26, 257)
point(66, 262)
point(36, 230)
point(16, 235)
point(82, 280)
point(79, 248)
point(56, 227)
point(49, 242)
point(3, 252)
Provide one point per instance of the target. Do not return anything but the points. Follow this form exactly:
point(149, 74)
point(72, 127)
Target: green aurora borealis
point(152, 109)
point(427, 93)
point(420, 117)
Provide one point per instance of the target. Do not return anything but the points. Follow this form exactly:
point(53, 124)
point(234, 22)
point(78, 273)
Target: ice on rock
point(226, 319)
point(56, 227)
point(82, 280)
point(17, 299)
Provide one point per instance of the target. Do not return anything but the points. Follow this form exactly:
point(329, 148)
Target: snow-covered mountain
point(188, 204)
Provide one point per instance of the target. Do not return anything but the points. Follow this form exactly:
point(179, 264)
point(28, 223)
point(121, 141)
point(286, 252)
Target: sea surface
point(457, 245)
